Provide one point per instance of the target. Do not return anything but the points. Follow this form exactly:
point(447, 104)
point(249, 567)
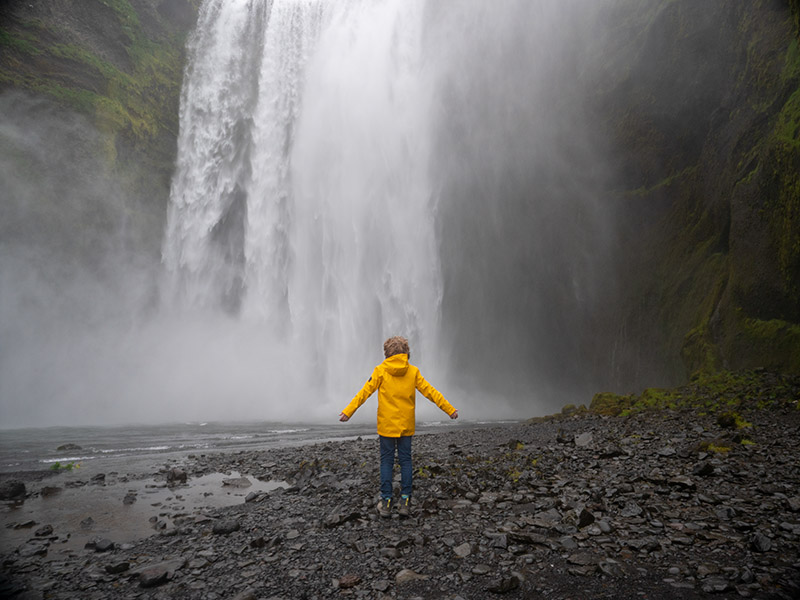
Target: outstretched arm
point(369, 388)
point(435, 396)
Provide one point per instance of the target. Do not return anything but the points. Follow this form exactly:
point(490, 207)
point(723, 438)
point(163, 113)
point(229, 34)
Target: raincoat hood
point(396, 365)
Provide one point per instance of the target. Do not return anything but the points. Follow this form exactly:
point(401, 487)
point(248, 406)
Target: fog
point(345, 172)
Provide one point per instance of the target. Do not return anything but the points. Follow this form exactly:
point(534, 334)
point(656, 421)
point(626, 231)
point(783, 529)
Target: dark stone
point(158, 574)
point(339, 516)
point(25, 525)
point(129, 499)
point(703, 469)
point(683, 482)
point(225, 527)
point(37, 548)
point(585, 518)
point(100, 545)
point(49, 490)
point(44, 531)
point(116, 568)
point(504, 585)
point(63, 447)
point(12, 489)
point(611, 452)
point(348, 581)
point(236, 482)
point(760, 543)
point(176, 476)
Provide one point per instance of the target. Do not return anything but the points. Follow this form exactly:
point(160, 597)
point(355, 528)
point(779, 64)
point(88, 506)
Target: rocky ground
point(658, 505)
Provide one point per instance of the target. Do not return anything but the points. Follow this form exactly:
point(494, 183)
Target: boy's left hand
point(454, 415)
point(343, 417)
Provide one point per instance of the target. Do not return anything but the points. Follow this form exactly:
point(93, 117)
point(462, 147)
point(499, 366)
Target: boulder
point(12, 489)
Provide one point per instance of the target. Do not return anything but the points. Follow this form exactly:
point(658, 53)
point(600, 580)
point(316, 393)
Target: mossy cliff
point(701, 102)
point(115, 67)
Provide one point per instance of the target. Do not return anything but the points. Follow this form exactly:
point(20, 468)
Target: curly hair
point(395, 345)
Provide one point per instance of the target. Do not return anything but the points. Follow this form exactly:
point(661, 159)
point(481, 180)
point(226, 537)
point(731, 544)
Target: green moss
point(609, 404)
point(733, 420)
point(23, 43)
point(776, 343)
point(718, 449)
point(723, 393)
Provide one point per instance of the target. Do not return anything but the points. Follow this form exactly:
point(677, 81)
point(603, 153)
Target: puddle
point(78, 515)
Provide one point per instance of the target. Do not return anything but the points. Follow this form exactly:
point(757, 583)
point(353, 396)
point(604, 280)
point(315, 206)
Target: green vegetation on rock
point(725, 394)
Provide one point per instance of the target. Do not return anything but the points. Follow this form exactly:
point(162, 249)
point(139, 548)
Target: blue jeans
point(388, 445)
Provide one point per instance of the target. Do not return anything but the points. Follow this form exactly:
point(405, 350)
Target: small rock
point(25, 525)
point(348, 581)
point(715, 585)
point(129, 499)
point(683, 482)
point(116, 568)
point(611, 452)
point(585, 518)
point(481, 569)
point(381, 585)
point(100, 545)
point(703, 469)
point(504, 584)
point(568, 542)
point(176, 476)
point(631, 509)
point(339, 516)
point(87, 523)
point(582, 441)
point(248, 594)
point(583, 559)
point(463, 550)
point(407, 576)
point(44, 531)
point(225, 527)
point(155, 575)
point(237, 482)
point(760, 543)
point(50, 490)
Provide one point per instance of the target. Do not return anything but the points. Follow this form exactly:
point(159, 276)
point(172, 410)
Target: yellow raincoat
point(397, 382)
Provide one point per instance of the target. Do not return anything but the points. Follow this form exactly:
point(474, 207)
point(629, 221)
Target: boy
point(397, 382)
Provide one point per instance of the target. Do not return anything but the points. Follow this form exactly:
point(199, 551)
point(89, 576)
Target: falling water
point(301, 202)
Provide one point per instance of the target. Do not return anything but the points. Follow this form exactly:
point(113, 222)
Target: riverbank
point(657, 504)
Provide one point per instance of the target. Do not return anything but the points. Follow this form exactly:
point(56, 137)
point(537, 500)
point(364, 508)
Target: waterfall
point(301, 203)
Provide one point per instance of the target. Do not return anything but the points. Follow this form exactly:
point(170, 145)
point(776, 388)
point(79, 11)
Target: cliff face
point(703, 108)
point(91, 89)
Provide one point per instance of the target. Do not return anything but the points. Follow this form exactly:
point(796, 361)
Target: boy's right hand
point(454, 415)
point(343, 417)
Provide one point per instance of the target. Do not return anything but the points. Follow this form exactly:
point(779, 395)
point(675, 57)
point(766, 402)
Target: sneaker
point(405, 506)
point(385, 507)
